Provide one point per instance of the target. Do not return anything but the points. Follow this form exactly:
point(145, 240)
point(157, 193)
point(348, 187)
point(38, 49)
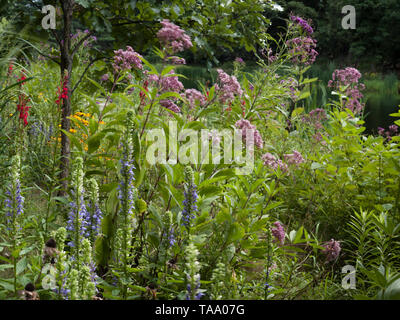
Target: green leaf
point(236, 232)
point(21, 265)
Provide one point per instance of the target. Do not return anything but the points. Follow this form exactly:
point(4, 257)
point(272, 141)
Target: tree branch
point(84, 72)
point(80, 43)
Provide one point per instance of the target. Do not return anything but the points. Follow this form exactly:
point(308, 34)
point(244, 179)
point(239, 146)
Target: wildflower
point(104, 77)
point(173, 37)
point(278, 232)
point(192, 268)
point(294, 158)
point(168, 83)
point(239, 60)
point(302, 50)
point(271, 161)
point(176, 60)
point(332, 250)
point(94, 214)
point(393, 130)
point(194, 95)
point(14, 202)
point(346, 81)
point(170, 105)
point(189, 203)
point(247, 127)
point(127, 59)
point(228, 86)
point(63, 92)
point(302, 23)
point(292, 85)
point(10, 69)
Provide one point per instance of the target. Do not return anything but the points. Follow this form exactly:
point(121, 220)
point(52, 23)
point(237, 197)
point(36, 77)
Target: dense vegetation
point(94, 206)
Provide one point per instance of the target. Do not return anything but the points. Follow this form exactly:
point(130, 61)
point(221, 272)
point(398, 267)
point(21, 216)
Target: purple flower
point(239, 60)
point(346, 81)
point(294, 158)
point(194, 95)
point(303, 23)
point(189, 204)
point(302, 50)
point(104, 77)
point(278, 232)
point(332, 250)
point(170, 105)
point(170, 83)
point(176, 60)
point(77, 220)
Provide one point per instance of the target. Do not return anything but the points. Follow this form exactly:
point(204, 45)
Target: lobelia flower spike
point(14, 202)
point(192, 268)
point(126, 195)
point(189, 203)
point(169, 231)
point(61, 264)
point(76, 223)
point(94, 214)
point(218, 280)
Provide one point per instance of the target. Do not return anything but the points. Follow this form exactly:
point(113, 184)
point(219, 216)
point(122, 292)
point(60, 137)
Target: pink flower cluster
point(346, 81)
point(170, 83)
point(294, 158)
point(127, 59)
point(315, 118)
point(173, 37)
point(169, 104)
point(274, 163)
point(246, 126)
point(393, 130)
point(194, 95)
point(344, 77)
point(228, 88)
point(332, 250)
point(278, 232)
point(302, 50)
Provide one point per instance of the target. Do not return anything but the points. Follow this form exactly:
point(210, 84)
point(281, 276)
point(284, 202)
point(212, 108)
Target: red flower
point(62, 93)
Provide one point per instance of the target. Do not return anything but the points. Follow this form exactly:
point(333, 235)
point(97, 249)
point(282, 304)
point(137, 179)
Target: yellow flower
point(72, 130)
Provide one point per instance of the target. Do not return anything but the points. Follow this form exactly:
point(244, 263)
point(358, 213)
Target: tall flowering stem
point(76, 219)
point(14, 205)
point(94, 214)
point(192, 268)
point(189, 203)
point(126, 197)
